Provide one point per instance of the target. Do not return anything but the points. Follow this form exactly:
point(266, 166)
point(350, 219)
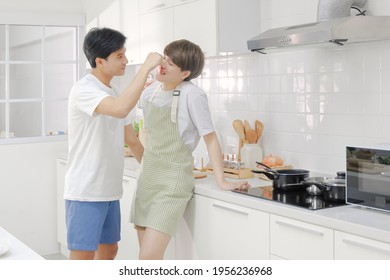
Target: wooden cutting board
point(199, 175)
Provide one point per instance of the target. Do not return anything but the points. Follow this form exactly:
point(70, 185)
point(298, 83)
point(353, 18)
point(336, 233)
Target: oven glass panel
point(368, 177)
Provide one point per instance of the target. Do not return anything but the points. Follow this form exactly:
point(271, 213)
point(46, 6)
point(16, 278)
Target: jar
point(250, 153)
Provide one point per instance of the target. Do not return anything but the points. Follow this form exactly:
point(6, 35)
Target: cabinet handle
point(230, 209)
point(365, 246)
point(309, 230)
point(162, 5)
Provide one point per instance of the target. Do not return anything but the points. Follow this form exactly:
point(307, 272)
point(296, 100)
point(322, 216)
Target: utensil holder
point(250, 153)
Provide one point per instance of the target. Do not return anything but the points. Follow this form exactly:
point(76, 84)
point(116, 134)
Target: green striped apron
point(166, 182)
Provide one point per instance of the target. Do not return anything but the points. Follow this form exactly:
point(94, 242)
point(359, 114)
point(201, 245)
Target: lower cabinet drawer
point(352, 247)
point(295, 240)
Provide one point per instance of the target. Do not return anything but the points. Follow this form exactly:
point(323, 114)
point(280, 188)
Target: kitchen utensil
point(312, 182)
point(286, 179)
point(247, 126)
point(259, 127)
point(238, 126)
point(266, 166)
point(250, 153)
point(334, 189)
point(315, 202)
point(251, 136)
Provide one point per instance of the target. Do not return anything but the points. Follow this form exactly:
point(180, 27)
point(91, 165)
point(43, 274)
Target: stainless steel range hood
point(334, 26)
point(338, 31)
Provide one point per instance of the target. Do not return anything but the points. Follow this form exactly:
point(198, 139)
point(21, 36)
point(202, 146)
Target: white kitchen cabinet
point(213, 229)
point(352, 247)
point(295, 240)
point(147, 6)
point(61, 224)
point(131, 30)
point(196, 21)
point(216, 26)
point(156, 31)
point(128, 245)
point(181, 2)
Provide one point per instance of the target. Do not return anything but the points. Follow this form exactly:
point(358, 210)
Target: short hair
point(186, 55)
point(101, 42)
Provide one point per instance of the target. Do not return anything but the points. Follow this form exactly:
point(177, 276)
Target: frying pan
point(285, 179)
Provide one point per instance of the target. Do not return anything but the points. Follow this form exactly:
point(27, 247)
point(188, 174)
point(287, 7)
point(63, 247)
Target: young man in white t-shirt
point(98, 128)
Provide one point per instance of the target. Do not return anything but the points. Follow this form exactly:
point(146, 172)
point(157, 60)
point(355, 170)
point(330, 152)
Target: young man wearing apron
point(176, 115)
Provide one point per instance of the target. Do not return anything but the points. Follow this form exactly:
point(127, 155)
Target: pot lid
point(334, 183)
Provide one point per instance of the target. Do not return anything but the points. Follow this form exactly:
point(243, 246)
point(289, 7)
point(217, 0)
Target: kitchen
point(313, 102)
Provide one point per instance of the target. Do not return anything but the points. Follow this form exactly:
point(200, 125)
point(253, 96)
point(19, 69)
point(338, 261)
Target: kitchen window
point(38, 66)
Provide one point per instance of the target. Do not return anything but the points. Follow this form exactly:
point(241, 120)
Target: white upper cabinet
point(196, 21)
point(147, 6)
point(156, 31)
point(238, 21)
point(181, 2)
point(131, 30)
point(216, 26)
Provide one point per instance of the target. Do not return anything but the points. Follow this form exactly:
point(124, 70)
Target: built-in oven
point(368, 176)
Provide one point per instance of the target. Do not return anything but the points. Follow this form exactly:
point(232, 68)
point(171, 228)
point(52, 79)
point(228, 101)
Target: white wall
point(28, 193)
point(28, 171)
point(312, 102)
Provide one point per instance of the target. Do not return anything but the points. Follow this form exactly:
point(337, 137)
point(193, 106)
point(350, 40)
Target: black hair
point(101, 42)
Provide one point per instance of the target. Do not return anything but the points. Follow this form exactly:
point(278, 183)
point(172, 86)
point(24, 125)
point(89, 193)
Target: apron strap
point(175, 101)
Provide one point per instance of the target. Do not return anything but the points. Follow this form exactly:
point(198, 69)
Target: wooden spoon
point(259, 127)
point(239, 128)
point(251, 136)
point(247, 126)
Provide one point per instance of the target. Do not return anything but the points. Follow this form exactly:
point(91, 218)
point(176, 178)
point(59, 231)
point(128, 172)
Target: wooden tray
point(235, 173)
point(199, 175)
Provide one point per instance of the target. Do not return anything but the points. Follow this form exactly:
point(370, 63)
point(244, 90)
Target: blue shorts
point(92, 223)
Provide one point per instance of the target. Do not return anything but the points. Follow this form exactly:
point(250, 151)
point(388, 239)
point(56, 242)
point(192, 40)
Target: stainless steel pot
point(312, 182)
point(334, 189)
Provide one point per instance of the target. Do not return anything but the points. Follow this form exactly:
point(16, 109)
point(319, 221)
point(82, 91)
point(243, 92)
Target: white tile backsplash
point(312, 102)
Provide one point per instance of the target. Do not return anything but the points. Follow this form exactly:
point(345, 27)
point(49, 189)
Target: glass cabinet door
point(38, 67)
point(2, 42)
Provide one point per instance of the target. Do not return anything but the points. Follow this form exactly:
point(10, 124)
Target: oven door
point(368, 177)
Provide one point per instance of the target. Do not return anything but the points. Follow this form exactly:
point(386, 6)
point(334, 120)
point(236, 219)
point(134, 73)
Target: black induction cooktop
point(299, 198)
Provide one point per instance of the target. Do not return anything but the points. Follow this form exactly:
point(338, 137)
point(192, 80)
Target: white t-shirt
point(95, 142)
point(194, 118)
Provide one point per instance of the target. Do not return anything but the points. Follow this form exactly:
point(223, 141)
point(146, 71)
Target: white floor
point(55, 257)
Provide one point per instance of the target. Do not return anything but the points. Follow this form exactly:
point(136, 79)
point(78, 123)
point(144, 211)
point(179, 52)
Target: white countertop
point(13, 249)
